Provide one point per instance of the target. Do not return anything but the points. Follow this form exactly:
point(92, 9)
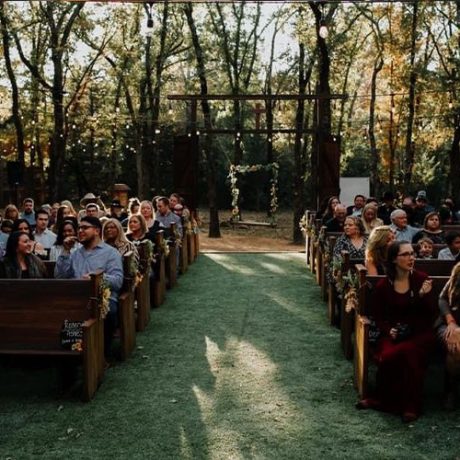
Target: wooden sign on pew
point(72, 335)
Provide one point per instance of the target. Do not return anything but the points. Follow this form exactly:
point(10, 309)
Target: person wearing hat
point(117, 211)
point(421, 209)
point(88, 199)
point(93, 255)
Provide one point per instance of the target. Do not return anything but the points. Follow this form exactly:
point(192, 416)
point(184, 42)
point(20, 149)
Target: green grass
point(238, 363)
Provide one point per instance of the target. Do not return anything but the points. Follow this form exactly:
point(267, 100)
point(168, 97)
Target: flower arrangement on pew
point(350, 287)
point(103, 299)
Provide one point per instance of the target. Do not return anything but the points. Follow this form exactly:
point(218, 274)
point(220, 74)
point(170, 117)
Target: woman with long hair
point(431, 229)
point(69, 204)
point(19, 262)
point(137, 229)
point(377, 248)
point(404, 312)
point(62, 214)
point(148, 213)
point(449, 334)
point(11, 212)
point(22, 225)
point(68, 228)
point(369, 218)
point(328, 214)
point(112, 234)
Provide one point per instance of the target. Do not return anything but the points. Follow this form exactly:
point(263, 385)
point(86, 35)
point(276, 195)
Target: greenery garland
point(244, 169)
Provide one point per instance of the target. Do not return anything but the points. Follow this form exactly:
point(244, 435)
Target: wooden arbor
point(326, 152)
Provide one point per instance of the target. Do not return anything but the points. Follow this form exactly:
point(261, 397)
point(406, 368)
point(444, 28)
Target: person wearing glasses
point(93, 255)
point(404, 312)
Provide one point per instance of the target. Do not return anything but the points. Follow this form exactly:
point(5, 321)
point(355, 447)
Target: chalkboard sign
point(72, 335)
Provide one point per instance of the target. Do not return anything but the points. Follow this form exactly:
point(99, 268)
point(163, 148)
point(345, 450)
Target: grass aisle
point(238, 363)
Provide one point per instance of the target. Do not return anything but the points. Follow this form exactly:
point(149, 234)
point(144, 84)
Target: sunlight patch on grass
point(291, 306)
point(229, 264)
point(273, 268)
point(247, 401)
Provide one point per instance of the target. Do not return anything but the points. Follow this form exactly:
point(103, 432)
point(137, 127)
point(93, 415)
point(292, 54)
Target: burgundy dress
point(402, 365)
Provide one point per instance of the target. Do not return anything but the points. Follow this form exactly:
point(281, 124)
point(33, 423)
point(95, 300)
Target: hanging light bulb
point(149, 31)
point(323, 30)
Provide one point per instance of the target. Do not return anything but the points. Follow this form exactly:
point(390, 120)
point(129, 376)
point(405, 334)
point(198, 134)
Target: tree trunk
point(410, 148)
point(211, 166)
point(14, 89)
point(374, 173)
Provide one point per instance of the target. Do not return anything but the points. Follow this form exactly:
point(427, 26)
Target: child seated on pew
point(425, 248)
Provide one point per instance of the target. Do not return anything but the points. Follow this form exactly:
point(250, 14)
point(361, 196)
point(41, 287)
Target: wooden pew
point(32, 315)
point(158, 286)
point(196, 236)
point(126, 312)
point(183, 258)
point(171, 261)
point(142, 289)
point(190, 247)
point(362, 325)
point(314, 244)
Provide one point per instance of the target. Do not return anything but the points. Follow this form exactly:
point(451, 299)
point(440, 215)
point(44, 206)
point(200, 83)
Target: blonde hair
point(369, 226)
point(120, 240)
point(453, 291)
point(70, 206)
point(142, 221)
point(377, 244)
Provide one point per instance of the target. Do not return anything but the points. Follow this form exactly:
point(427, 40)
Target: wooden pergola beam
point(254, 97)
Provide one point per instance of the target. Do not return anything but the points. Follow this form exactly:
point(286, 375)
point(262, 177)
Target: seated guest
point(403, 231)
point(421, 208)
point(19, 262)
point(378, 243)
point(6, 227)
point(69, 204)
point(336, 223)
point(63, 214)
point(94, 255)
point(11, 212)
point(90, 198)
point(148, 213)
point(42, 234)
point(369, 218)
point(112, 234)
point(137, 229)
point(449, 333)
point(386, 208)
point(68, 229)
point(404, 312)
point(357, 208)
point(425, 248)
point(453, 247)
point(28, 211)
point(408, 205)
point(353, 239)
point(133, 208)
point(22, 225)
point(93, 210)
point(447, 212)
point(329, 211)
point(176, 199)
point(166, 217)
point(53, 214)
point(117, 211)
point(431, 229)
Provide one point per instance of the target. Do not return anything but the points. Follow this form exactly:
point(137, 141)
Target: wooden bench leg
point(143, 303)
point(184, 256)
point(93, 357)
point(347, 323)
point(159, 284)
point(127, 324)
point(361, 355)
point(171, 268)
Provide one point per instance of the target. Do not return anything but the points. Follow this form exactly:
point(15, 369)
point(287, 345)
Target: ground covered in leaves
point(238, 363)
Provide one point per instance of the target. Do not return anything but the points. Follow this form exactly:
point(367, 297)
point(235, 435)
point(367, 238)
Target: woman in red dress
point(404, 312)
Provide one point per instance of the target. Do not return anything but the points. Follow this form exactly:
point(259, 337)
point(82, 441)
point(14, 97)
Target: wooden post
point(159, 282)
point(171, 261)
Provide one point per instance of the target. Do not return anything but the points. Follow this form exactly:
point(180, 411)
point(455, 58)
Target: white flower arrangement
point(244, 169)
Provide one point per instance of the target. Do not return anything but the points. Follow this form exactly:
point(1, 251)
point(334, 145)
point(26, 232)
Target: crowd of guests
point(82, 242)
point(389, 238)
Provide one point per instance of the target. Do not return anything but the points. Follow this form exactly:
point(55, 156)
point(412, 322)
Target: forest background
point(84, 86)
